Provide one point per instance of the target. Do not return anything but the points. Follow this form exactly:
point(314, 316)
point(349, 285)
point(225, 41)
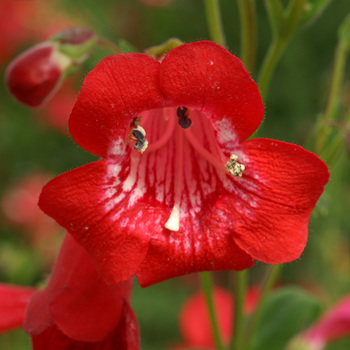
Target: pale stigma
point(173, 223)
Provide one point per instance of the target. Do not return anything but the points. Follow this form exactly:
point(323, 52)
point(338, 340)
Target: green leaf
point(313, 9)
point(126, 47)
point(288, 312)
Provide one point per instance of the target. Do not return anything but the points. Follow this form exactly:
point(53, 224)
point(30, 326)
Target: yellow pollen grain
point(233, 167)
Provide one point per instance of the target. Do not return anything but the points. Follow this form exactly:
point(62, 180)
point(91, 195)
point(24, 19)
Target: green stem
point(214, 21)
point(207, 287)
point(248, 33)
point(283, 31)
point(294, 13)
point(240, 288)
point(269, 64)
point(109, 44)
point(331, 153)
point(333, 98)
point(270, 280)
point(338, 75)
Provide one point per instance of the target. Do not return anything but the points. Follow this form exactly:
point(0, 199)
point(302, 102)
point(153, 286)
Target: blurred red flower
point(19, 205)
point(13, 15)
point(20, 202)
point(76, 309)
point(27, 21)
point(171, 199)
point(13, 304)
point(195, 326)
point(56, 112)
point(333, 325)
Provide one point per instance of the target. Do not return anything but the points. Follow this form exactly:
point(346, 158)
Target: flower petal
point(186, 252)
point(79, 201)
point(205, 76)
point(125, 336)
point(282, 183)
point(38, 316)
point(114, 92)
point(13, 304)
point(75, 299)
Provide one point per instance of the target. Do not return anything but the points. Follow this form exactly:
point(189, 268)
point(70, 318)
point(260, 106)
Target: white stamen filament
point(173, 223)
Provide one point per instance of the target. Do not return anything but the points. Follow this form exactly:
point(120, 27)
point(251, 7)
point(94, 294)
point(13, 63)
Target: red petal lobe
point(282, 183)
point(13, 304)
point(205, 76)
point(78, 201)
point(113, 93)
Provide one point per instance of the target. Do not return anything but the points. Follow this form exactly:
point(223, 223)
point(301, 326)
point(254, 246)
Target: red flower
point(333, 325)
point(20, 202)
point(195, 323)
point(198, 197)
point(13, 305)
point(13, 29)
point(56, 112)
point(20, 207)
point(22, 22)
point(77, 309)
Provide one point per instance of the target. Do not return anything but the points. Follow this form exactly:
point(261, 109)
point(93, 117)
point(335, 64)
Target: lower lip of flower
point(182, 168)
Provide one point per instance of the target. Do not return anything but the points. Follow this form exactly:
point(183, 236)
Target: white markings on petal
point(117, 148)
point(114, 201)
point(226, 134)
point(131, 179)
point(176, 173)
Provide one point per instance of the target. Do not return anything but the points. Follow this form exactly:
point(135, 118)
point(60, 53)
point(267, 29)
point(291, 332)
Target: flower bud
point(35, 75)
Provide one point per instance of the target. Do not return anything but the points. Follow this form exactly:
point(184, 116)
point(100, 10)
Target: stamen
point(233, 167)
point(203, 152)
point(138, 135)
point(166, 136)
point(183, 113)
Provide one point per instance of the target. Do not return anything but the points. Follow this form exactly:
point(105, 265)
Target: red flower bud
point(34, 75)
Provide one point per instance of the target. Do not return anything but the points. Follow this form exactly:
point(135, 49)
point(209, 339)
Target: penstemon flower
point(179, 189)
point(76, 310)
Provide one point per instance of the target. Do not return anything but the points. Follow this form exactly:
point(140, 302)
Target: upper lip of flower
point(108, 207)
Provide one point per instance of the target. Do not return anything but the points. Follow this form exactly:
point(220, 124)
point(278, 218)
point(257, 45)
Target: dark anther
point(140, 143)
point(183, 113)
point(135, 122)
